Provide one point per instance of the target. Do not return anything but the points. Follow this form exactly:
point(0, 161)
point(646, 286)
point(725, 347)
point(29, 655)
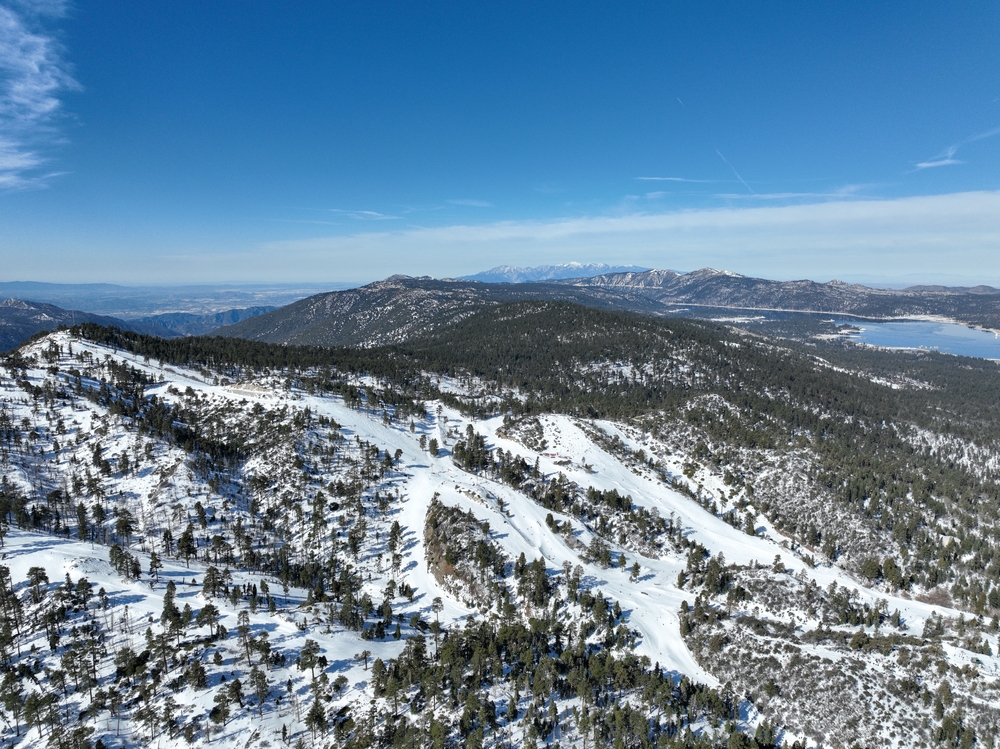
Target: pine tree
point(37, 577)
point(12, 698)
point(309, 656)
point(155, 565)
point(258, 681)
point(81, 522)
point(236, 692)
point(316, 718)
point(208, 617)
point(170, 618)
point(220, 713)
point(244, 632)
point(186, 545)
point(168, 541)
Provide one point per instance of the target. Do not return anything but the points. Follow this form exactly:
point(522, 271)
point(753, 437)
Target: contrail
point(735, 172)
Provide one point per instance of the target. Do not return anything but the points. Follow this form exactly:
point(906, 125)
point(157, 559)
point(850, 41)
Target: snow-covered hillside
point(514, 274)
point(170, 531)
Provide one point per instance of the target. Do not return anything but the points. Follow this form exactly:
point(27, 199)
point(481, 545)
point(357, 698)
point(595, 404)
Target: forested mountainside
point(978, 305)
point(540, 524)
point(401, 307)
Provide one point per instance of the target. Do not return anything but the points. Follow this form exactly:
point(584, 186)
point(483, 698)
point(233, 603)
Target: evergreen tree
point(186, 545)
point(316, 718)
point(155, 565)
point(261, 688)
point(220, 713)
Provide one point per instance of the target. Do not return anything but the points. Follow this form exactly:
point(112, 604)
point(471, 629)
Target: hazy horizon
point(887, 282)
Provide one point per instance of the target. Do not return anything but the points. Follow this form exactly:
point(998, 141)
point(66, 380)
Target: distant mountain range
point(21, 319)
point(186, 323)
point(707, 287)
point(131, 302)
point(401, 307)
point(513, 274)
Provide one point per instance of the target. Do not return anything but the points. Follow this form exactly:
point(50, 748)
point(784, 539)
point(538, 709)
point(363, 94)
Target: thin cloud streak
point(946, 157)
point(472, 203)
point(939, 162)
point(32, 76)
point(364, 215)
point(836, 195)
point(304, 221)
point(682, 179)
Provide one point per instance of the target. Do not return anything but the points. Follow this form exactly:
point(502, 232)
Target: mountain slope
point(401, 307)
point(452, 543)
point(829, 445)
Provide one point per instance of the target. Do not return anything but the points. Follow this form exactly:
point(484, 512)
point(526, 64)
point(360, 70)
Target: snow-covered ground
point(162, 491)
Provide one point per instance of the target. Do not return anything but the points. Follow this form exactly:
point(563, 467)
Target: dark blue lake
point(948, 338)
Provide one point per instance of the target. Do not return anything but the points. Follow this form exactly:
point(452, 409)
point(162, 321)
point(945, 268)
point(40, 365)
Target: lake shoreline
point(929, 333)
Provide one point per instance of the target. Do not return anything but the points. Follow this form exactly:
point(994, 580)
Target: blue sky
point(261, 142)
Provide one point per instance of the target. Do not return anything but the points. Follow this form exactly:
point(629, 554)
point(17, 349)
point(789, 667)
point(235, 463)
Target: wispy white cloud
point(842, 194)
point(681, 179)
point(39, 8)
point(304, 221)
point(364, 215)
point(947, 156)
point(33, 74)
point(472, 203)
point(938, 162)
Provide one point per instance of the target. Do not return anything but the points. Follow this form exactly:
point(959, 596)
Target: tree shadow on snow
point(34, 547)
point(123, 598)
point(589, 582)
